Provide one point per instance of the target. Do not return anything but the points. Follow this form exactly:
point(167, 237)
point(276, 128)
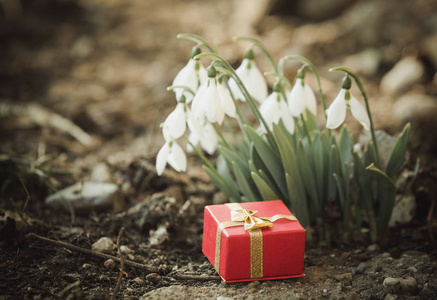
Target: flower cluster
point(212, 97)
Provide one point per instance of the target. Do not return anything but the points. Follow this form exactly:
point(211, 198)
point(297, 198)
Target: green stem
point(310, 65)
point(366, 101)
point(261, 46)
point(187, 89)
point(195, 38)
point(305, 128)
point(217, 129)
point(281, 77)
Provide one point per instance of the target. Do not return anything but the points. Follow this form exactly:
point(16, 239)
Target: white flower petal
point(310, 99)
point(187, 77)
point(336, 113)
point(211, 105)
point(209, 141)
point(198, 101)
point(194, 123)
point(359, 112)
point(236, 92)
point(226, 101)
point(269, 109)
point(175, 124)
point(253, 80)
point(161, 158)
point(296, 99)
point(177, 158)
point(202, 73)
point(287, 118)
point(194, 141)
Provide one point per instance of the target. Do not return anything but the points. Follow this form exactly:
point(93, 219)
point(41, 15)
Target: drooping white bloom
point(208, 140)
point(172, 154)
point(189, 76)
point(301, 97)
point(175, 124)
point(274, 109)
point(213, 101)
point(226, 101)
point(336, 113)
point(252, 79)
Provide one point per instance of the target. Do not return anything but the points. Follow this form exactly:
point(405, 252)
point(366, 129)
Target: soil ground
point(105, 66)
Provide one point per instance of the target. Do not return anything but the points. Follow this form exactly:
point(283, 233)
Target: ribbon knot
point(250, 221)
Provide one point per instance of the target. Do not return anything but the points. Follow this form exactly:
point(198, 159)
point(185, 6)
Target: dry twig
point(120, 277)
point(144, 268)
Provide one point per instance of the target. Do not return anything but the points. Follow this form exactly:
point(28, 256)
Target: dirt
point(105, 65)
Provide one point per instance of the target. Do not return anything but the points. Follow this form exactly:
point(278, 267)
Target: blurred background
point(83, 81)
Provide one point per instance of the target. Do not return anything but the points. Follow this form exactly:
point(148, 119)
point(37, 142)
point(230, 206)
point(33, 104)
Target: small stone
point(413, 269)
point(87, 266)
point(223, 298)
point(403, 76)
point(373, 248)
point(158, 236)
point(139, 280)
point(154, 277)
point(360, 268)
point(366, 62)
point(100, 173)
point(386, 254)
point(390, 282)
point(104, 245)
point(253, 290)
point(125, 249)
point(345, 276)
point(408, 285)
point(325, 291)
point(414, 107)
point(86, 196)
point(109, 264)
point(254, 284)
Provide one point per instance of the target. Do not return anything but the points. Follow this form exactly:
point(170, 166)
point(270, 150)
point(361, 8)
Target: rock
point(386, 254)
point(373, 248)
point(406, 73)
point(125, 249)
point(104, 245)
point(158, 236)
point(101, 173)
point(415, 107)
point(400, 285)
point(87, 266)
point(254, 284)
point(139, 280)
point(366, 62)
point(86, 196)
point(385, 142)
point(403, 211)
point(109, 264)
point(345, 276)
point(360, 268)
point(154, 277)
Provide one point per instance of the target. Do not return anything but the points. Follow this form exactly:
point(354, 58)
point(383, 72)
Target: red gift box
point(238, 255)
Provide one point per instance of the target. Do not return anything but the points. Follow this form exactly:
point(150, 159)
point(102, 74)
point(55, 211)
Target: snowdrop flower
point(190, 76)
point(208, 141)
point(212, 101)
point(176, 123)
point(172, 154)
point(252, 79)
point(301, 97)
point(336, 113)
point(274, 109)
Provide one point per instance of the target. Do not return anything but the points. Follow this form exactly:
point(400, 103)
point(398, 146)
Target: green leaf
point(346, 145)
point(386, 199)
point(298, 202)
point(220, 183)
point(247, 187)
point(308, 177)
point(269, 157)
point(224, 172)
point(264, 189)
point(397, 156)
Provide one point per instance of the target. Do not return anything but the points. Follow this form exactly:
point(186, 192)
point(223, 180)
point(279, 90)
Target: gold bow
point(239, 217)
point(250, 221)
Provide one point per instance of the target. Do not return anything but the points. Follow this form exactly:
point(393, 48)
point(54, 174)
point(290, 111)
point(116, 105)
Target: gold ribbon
point(253, 225)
